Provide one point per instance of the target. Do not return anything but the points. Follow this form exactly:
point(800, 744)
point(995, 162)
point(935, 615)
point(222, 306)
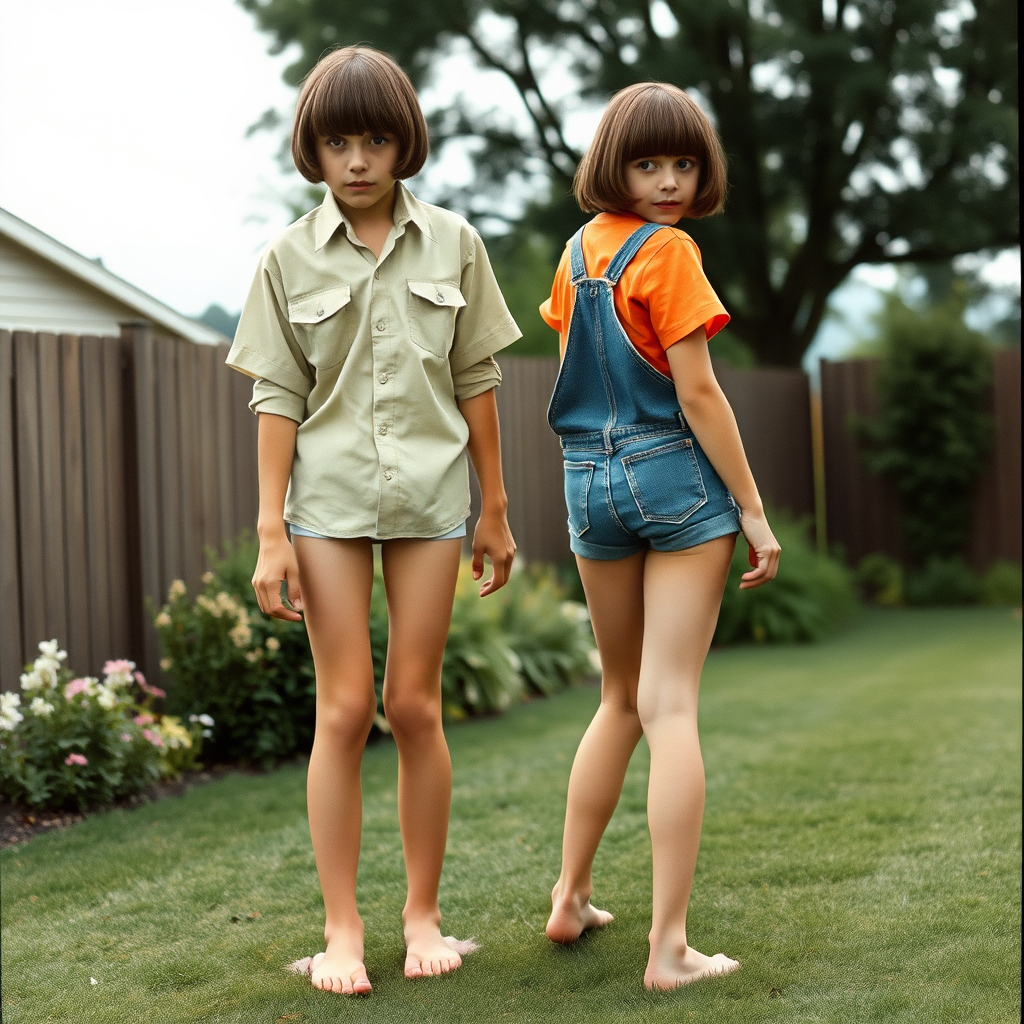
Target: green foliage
point(255, 674)
point(943, 581)
point(847, 142)
point(84, 742)
point(931, 434)
point(880, 579)
point(811, 595)
point(549, 634)
point(1001, 584)
point(524, 264)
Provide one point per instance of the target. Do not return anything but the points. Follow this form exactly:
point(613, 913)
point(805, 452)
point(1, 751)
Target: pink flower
point(153, 738)
point(153, 691)
point(119, 667)
point(126, 737)
point(75, 687)
point(76, 759)
point(144, 719)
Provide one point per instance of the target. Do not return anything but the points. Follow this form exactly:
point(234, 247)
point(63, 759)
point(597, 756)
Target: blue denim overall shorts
point(635, 476)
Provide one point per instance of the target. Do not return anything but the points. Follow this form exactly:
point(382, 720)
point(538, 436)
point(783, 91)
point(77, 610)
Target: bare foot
point(572, 915)
point(427, 953)
point(341, 968)
point(670, 968)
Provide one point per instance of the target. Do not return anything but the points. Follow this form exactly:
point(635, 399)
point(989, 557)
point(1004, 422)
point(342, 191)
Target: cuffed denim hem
point(685, 537)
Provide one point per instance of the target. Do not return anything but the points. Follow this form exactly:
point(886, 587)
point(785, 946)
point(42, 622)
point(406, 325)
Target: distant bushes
point(811, 595)
point(255, 674)
point(940, 581)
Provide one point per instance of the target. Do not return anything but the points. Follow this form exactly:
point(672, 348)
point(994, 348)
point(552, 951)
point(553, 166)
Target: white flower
point(273, 644)
point(32, 681)
point(203, 719)
point(241, 635)
point(207, 578)
point(41, 707)
point(10, 716)
point(107, 698)
point(49, 649)
point(176, 589)
point(207, 733)
point(162, 621)
point(166, 664)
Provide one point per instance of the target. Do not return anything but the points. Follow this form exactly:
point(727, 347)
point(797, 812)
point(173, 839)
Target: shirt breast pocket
point(322, 326)
point(433, 307)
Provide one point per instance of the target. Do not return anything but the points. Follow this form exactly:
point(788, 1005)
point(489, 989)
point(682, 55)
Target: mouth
point(668, 204)
point(359, 186)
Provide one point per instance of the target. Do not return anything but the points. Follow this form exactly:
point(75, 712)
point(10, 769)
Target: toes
point(361, 984)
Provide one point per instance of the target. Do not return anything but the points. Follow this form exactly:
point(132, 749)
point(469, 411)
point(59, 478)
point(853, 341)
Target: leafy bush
point(1001, 584)
point(84, 741)
point(811, 595)
point(880, 579)
point(931, 434)
point(256, 676)
point(943, 581)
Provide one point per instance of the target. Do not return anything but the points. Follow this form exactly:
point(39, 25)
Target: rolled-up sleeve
point(265, 346)
point(272, 398)
point(476, 379)
point(484, 325)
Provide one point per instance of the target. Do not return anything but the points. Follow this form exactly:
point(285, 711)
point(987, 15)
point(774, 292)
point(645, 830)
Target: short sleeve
point(476, 379)
point(272, 398)
point(265, 346)
point(484, 325)
point(552, 309)
point(677, 295)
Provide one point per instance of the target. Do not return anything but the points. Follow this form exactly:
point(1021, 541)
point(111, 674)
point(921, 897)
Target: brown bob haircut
point(352, 91)
point(644, 120)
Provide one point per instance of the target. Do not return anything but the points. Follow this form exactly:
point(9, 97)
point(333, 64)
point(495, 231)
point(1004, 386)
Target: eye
point(687, 163)
point(644, 165)
point(335, 143)
point(379, 140)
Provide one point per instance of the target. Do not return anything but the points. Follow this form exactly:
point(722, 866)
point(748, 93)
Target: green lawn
point(861, 857)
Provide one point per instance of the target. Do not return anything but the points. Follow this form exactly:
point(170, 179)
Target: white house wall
point(37, 296)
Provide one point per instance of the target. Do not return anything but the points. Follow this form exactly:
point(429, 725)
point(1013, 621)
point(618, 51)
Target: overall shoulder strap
point(576, 261)
point(630, 247)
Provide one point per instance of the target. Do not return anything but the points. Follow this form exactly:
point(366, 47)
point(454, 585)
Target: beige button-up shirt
point(369, 356)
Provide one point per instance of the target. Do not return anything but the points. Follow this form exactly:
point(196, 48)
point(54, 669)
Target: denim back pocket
point(322, 326)
point(577, 491)
point(433, 306)
point(666, 482)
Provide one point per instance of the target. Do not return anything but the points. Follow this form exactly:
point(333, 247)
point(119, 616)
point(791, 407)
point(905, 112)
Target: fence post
point(11, 653)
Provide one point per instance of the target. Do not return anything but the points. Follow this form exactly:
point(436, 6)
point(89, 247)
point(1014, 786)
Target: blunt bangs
point(645, 120)
point(353, 91)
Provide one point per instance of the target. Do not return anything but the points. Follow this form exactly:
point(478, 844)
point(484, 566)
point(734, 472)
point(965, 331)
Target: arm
point(492, 535)
point(277, 562)
point(708, 412)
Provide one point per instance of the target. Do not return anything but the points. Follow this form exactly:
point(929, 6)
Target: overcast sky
point(122, 135)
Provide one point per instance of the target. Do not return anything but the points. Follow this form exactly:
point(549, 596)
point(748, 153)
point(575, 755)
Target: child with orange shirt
point(657, 487)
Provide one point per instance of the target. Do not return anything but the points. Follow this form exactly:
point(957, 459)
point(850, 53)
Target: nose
point(357, 158)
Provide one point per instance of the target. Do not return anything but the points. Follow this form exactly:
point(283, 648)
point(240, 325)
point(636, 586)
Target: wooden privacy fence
point(862, 509)
point(120, 460)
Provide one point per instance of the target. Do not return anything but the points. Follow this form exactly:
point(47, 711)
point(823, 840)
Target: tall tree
point(857, 131)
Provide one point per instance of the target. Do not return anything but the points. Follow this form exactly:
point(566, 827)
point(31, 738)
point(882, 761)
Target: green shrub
point(1001, 584)
point(943, 581)
point(255, 674)
point(880, 579)
point(931, 434)
point(549, 632)
point(811, 595)
point(85, 742)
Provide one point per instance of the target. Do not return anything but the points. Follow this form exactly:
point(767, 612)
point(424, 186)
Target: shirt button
point(320, 311)
point(440, 297)
point(381, 325)
point(383, 378)
point(376, 275)
point(382, 429)
point(387, 474)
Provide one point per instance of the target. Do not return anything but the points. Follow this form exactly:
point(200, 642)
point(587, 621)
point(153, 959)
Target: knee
point(660, 703)
point(411, 714)
point(347, 719)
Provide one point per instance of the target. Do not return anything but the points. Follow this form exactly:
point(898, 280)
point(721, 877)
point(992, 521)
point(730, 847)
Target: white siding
point(35, 295)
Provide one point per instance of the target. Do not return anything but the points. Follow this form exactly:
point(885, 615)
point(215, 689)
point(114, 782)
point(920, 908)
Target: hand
point(493, 538)
point(763, 550)
point(277, 563)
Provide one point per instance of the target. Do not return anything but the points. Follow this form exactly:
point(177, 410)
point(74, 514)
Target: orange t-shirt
point(661, 297)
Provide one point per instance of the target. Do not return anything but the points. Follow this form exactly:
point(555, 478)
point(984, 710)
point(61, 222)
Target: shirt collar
point(407, 208)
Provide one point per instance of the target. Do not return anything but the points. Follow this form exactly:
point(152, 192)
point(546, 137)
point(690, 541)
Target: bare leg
point(682, 596)
point(419, 579)
point(615, 596)
point(337, 576)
